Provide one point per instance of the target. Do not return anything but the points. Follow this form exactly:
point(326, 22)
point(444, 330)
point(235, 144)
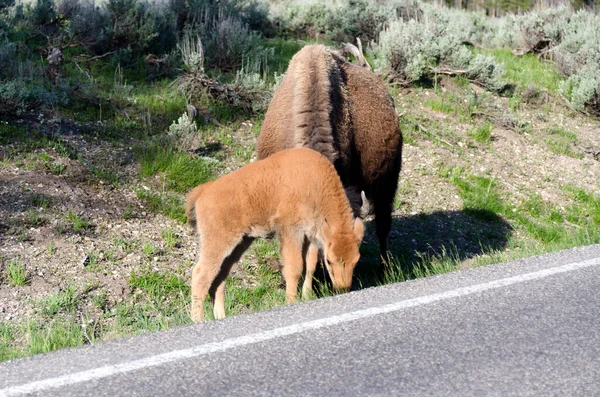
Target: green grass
point(551, 225)
point(33, 218)
point(16, 273)
point(182, 172)
point(163, 301)
point(55, 335)
point(77, 223)
point(168, 204)
point(426, 265)
point(149, 249)
point(171, 239)
point(21, 141)
point(265, 248)
point(442, 104)
point(482, 133)
point(64, 301)
point(527, 70)
point(416, 127)
point(159, 286)
point(40, 201)
point(283, 52)
point(33, 337)
point(561, 141)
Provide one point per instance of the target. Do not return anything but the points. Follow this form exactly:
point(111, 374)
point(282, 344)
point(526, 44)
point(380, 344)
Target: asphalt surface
point(526, 328)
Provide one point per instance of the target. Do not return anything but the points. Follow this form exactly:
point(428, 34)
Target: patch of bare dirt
point(37, 230)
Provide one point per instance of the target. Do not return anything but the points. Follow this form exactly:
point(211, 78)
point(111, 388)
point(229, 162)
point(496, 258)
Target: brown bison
point(346, 113)
point(295, 193)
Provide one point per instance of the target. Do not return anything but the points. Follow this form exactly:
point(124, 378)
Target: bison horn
point(365, 208)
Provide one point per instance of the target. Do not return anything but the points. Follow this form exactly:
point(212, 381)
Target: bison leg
point(383, 206)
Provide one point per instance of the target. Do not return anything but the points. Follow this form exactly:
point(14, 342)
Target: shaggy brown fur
point(345, 112)
point(296, 193)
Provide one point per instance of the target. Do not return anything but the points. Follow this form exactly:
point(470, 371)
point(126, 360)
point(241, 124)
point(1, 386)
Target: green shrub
point(412, 50)
point(17, 98)
point(537, 31)
point(227, 40)
point(578, 56)
point(7, 57)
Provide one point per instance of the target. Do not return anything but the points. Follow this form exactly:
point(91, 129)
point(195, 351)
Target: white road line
point(153, 361)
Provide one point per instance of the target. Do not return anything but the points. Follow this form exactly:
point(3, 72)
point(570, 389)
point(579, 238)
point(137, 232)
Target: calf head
point(342, 252)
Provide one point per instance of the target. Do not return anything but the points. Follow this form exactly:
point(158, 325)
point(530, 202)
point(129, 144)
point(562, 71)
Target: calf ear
point(359, 229)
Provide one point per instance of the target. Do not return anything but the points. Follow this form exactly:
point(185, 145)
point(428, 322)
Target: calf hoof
point(197, 314)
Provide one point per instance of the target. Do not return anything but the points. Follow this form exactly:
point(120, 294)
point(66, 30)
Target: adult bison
point(345, 112)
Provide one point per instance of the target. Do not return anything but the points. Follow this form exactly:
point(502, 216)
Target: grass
point(551, 225)
point(16, 273)
point(526, 70)
point(181, 171)
point(77, 223)
point(170, 238)
point(40, 201)
point(168, 204)
point(561, 141)
point(38, 337)
point(482, 133)
point(64, 301)
point(138, 115)
point(149, 249)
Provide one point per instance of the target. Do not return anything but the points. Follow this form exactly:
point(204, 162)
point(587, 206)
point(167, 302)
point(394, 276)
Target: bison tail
point(190, 205)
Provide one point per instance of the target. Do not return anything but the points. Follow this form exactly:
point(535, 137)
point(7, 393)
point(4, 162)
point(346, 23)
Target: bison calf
point(295, 193)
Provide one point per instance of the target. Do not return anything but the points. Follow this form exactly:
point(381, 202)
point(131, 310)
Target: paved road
point(529, 327)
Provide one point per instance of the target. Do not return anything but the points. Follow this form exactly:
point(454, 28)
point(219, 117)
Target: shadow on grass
point(428, 243)
point(209, 149)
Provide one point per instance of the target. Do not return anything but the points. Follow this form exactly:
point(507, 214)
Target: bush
point(227, 40)
point(539, 31)
point(340, 21)
point(83, 22)
point(414, 50)
point(583, 89)
point(7, 57)
point(487, 72)
point(17, 98)
point(183, 133)
point(578, 56)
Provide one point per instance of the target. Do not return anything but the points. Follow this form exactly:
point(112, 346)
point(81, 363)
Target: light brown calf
point(296, 193)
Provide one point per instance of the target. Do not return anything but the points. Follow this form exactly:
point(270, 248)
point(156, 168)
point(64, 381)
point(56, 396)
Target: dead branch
point(448, 71)
point(87, 58)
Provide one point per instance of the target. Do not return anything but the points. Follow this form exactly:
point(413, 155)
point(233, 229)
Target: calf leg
point(312, 256)
point(204, 274)
point(291, 256)
point(217, 290)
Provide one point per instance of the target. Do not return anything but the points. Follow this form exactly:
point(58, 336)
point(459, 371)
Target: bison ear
point(326, 232)
point(359, 229)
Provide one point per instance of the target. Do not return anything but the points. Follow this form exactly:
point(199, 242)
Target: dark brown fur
point(345, 112)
